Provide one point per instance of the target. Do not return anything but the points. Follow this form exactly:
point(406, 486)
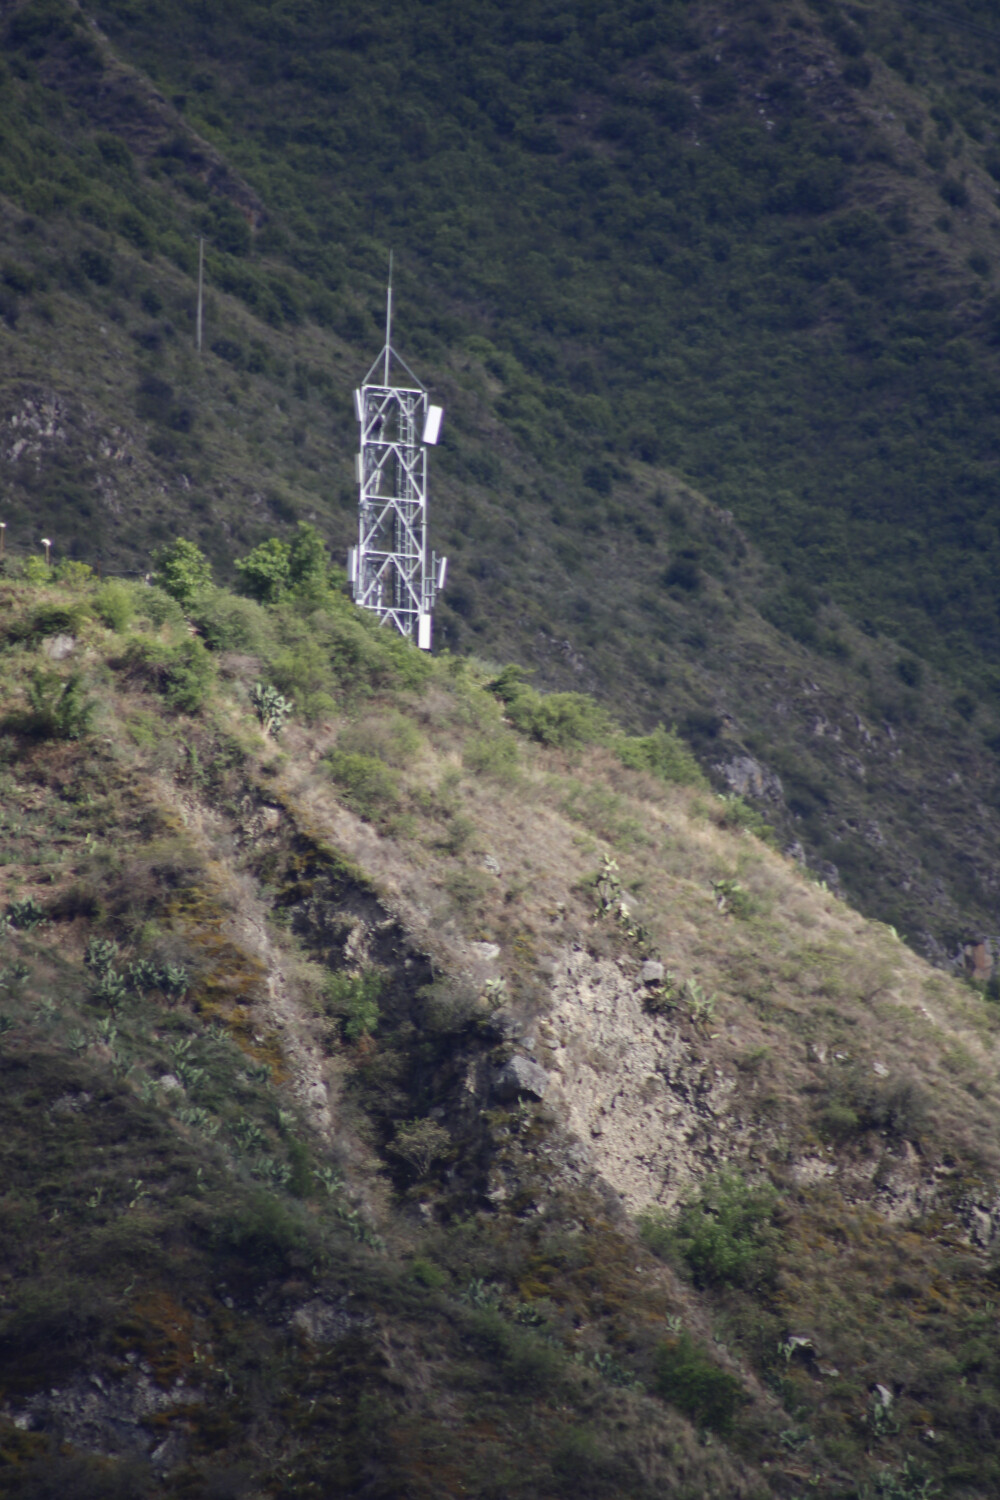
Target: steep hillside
point(748, 249)
point(415, 1085)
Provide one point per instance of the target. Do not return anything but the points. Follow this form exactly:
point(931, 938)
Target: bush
point(182, 570)
point(303, 673)
point(182, 674)
point(228, 623)
point(527, 1361)
point(724, 1234)
point(265, 572)
point(392, 738)
point(264, 1238)
point(366, 784)
point(492, 755)
point(114, 605)
point(561, 720)
point(60, 709)
point(692, 1383)
point(157, 606)
point(420, 1143)
point(308, 564)
point(663, 753)
point(354, 999)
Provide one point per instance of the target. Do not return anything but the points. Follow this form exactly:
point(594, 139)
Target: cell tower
point(390, 570)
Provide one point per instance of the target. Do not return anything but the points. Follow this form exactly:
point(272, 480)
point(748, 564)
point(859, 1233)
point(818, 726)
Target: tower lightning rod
point(388, 323)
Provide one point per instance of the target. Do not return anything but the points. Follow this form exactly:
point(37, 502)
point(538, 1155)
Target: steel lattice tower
point(391, 570)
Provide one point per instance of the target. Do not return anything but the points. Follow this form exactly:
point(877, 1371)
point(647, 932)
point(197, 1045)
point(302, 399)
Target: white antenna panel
point(442, 571)
point(352, 565)
point(432, 426)
point(424, 632)
point(358, 407)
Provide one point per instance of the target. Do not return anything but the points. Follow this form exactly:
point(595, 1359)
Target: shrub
point(663, 753)
point(303, 673)
point(696, 1386)
point(420, 1143)
point(910, 671)
point(557, 719)
point(37, 570)
point(308, 564)
point(157, 606)
point(228, 623)
point(114, 605)
point(74, 574)
point(60, 709)
point(493, 755)
point(265, 572)
point(392, 738)
point(724, 1233)
point(366, 784)
point(183, 674)
point(354, 999)
point(527, 1361)
point(264, 1239)
point(182, 570)
point(739, 814)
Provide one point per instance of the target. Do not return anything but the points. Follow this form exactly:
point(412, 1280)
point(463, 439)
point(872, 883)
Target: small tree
point(420, 1143)
point(308, 563)
point(182, 570)
point(265, 572)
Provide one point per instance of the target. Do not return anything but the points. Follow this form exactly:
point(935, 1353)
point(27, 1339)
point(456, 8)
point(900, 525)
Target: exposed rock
point(655, 1118)
point(748, 778)
point(58, 647)
point(322, 1322)
point(105, 1416)
point(652, 971)
point(491, 865)
point(521, 1078)
point(978, 960)
point(70, 1104)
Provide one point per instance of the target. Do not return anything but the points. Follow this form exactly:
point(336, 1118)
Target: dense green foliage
point(723, 1234)
point(640, 253)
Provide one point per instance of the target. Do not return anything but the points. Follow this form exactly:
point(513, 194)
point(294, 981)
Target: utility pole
point(391, 570)
point(201, 284)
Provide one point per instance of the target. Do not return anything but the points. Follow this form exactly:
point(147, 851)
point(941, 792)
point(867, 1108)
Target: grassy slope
point(196, 1232)
point(603, 319)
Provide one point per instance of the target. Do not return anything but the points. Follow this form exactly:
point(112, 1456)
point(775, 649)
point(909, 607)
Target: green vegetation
point(690, 1381)
point(723, 1234)
point(267, 1109)
point(622, 286)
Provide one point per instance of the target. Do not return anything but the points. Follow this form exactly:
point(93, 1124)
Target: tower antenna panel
point(391, 570)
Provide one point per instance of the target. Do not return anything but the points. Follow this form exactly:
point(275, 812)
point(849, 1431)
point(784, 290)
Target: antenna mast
point(391, 570)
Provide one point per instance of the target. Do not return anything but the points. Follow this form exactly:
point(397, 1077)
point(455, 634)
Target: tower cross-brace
point(391, 570)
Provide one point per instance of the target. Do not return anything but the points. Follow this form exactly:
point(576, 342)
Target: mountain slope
point(682, 236)
point(338, 1065)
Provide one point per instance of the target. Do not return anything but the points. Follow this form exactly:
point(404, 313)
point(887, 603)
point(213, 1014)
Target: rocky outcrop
point(521, 1078)
point(654, 1116)
point(748, 778)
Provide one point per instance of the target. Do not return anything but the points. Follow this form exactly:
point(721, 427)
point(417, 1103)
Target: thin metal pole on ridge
point(391, 570)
